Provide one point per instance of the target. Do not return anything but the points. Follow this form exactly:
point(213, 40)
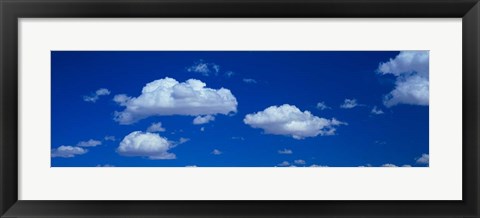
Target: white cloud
point(290, 121)
point(109, 138)
point(248, 80)
point(156, 127)
point(322, 106)
point(300, 162)
point(229, 73)
point(202, 129)
point(349, 103)
point(204, 68)
point(238, 138)
point(191, 166)
point(149, 145)
point(412, 71)
point(203, 119)
point(285, 151)
point(389, 165)
point(167, 96)
point(376, 111)
point(68, 151)
point(216, 152)
point(424, 159)
point(94, 97)
point(89, 143)
point(284, 164)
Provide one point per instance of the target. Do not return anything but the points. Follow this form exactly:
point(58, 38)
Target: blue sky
point(240, 108)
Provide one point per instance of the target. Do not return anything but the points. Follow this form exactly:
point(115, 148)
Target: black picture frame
point(12, 10)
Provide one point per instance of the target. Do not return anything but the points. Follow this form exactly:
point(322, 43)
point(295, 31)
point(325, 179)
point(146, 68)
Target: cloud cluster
point(284, 164)
point(156, 127)
point(109, 138)
point(169, 97)
point(204, 68)
point(149, 145)
point(290, 121)
point(95, 96)
point(67, 151)
point(412, 84)
point(203, 119)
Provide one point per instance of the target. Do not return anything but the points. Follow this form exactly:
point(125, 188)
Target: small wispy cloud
point(95, 96)
point(349, 104)
point(89, 143)
point(285, 151)
point(300, 162)
point(109, 138)
point(322, 106)
point(376, 111)
point(204, 68)
point(249, 80)
point(216, 152)
point(284, 164)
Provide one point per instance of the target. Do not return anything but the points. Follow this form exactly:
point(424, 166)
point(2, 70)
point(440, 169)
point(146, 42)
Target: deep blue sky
point(398, 136)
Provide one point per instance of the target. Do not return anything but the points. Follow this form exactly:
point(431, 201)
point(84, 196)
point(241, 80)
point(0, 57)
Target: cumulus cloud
point(68, 151)
point(248, 80)
point(424, 159)
point(284, 164)
point(156, 127)
point(167, 96)
point(349, 104)
point(204, 68)
point(285, 151)
point(109, 138)
point(147, 144)
point(322, 106)
point(95, 96)
point(376, 111)
point(89, 143)
point(203, 119)
point(412, 85)
point(389, 165)
point(216, 152)
point(290, 121)
point(300, 162)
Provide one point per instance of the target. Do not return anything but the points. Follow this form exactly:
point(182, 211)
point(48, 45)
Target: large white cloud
point(67, 151)
point(149, 145)
point(289, 120)
point(412, 71)
point(169, 97)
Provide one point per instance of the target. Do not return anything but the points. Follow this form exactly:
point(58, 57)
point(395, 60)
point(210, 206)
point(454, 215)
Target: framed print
point(224, 108)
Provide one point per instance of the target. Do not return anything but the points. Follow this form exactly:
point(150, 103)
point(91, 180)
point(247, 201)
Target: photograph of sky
point(240, 108)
